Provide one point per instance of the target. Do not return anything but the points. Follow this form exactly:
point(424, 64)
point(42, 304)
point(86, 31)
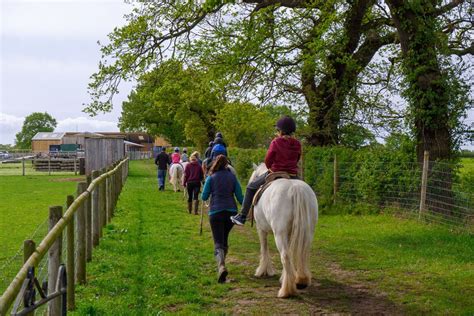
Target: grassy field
point(152, 260)
point(24, 203)
point(467, 165)
point(16, 169)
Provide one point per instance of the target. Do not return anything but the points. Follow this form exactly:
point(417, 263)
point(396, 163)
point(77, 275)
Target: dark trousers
point(193, 190)
point(161, 178)
point(221, 226)
point(252, 188)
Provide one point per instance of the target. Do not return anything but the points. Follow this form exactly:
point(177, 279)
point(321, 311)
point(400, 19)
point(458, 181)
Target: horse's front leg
point(265, 267)
point(288, 284)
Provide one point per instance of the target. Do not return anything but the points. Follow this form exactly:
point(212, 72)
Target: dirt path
point(333, 290)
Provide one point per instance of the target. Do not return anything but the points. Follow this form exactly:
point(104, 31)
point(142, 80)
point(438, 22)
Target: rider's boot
point(221, 269)
point(196, 207)
point(190, 207)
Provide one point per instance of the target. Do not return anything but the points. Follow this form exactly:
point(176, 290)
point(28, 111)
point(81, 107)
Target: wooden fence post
point(29, 247)
point(424, 182)
point(81, 238)
point(95, 211)
point(88, 207)
point(71, 299)
point(75, 165)
point(54, 260)
point(103, 204)
point(23, 165)
point(49, 164)
point(108, 200)
point(336, 179)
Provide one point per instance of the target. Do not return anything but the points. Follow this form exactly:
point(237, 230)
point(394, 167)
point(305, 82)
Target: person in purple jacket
point(193, 175)
point(223, 187)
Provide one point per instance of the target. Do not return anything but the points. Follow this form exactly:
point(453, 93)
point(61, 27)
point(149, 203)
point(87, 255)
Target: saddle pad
point(268, 181)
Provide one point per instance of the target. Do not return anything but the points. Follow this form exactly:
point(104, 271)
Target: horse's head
point(257, 171)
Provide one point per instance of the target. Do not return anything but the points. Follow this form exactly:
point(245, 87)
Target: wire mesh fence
point(432, 191)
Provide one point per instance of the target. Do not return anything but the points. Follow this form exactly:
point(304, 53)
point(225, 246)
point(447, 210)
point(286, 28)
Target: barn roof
point(48, 136)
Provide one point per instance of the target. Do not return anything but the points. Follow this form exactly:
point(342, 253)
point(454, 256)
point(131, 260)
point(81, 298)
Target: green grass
point(467, 165)
point(24, 203)
point(152, 260)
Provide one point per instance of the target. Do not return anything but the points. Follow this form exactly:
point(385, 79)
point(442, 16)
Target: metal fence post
point(81, 238)
point(71, 302)
point(424, 182)
point(54, 259)
point(95, 211)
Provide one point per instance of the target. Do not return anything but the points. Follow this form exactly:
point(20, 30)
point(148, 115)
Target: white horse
point(289, 208)
point(176, 176)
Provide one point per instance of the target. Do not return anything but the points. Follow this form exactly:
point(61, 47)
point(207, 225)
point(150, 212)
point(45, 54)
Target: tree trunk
point(428, 96)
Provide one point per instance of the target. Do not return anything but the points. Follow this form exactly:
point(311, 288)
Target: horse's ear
point(254, 166)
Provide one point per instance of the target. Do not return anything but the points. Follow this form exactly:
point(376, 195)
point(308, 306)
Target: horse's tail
point(304, 220)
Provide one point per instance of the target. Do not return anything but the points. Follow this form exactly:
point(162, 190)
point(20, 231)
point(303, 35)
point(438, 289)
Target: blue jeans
point(161, 178)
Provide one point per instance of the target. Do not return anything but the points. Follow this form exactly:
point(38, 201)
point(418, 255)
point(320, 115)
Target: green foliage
point(356, 136)
point(366, 176)
point(243, 160)
point(244, 125)
point(34, 123)
point(175, 102)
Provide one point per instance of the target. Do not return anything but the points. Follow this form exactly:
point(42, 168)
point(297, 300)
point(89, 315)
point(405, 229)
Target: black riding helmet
point(286, 124)
point(211, 143)
point(219, 135)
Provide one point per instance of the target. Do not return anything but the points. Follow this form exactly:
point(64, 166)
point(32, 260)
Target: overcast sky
point(48, 51)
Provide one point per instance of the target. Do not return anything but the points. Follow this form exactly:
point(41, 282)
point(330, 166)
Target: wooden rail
point(78, 208)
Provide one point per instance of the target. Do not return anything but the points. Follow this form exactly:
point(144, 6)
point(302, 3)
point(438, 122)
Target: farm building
point(146, 141)
point(42, 141)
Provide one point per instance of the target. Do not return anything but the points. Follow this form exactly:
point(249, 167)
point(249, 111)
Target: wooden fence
point(83, 221)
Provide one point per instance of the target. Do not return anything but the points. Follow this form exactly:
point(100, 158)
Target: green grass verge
point(467, 165)
point(153, 261)
point(24, 203)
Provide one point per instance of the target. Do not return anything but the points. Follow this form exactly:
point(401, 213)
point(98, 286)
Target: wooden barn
point(41, 141)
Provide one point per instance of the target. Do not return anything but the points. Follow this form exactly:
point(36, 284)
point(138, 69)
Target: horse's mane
point(258, 171)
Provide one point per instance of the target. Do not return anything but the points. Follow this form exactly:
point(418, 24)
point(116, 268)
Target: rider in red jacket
point(282, 155)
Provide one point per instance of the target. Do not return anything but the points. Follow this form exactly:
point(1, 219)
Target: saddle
point(268, 181)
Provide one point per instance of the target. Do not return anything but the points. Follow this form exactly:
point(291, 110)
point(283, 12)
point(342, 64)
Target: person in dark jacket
point(222, 185)
point(207, 153)
point(193, 176)
point(282, 155)
point(162, 160)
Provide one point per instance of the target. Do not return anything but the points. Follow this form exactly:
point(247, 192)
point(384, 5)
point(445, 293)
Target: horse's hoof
point(301, 286)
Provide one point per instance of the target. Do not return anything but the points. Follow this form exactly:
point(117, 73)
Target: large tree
point(300, 51)
point(174, 102)
point(34, 123)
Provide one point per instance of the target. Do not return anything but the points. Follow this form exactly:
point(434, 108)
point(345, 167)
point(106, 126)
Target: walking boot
point(190, 207)
point(196, 207)
point(221, 270)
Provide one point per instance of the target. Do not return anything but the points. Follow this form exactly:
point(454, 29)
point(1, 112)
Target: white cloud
point(11, 124)
point(85, 124)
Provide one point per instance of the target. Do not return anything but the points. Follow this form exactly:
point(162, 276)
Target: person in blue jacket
point(219, 147)
point(223, 187)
